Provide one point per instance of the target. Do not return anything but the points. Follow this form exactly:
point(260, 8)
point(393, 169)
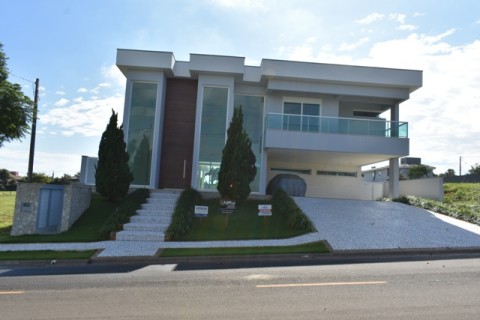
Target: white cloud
point(62, 102)
point(82, 90)
point(399, 17)
point(60, 92)
point(406, 27)
point(240, 4)
point(68, 133)
point(14, 158)
point(352, 46)
point(86, 117)
point(443, 113)
point(371, 18)
point(113, 75)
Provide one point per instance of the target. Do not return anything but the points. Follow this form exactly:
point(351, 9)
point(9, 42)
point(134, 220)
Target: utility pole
point(33, 133)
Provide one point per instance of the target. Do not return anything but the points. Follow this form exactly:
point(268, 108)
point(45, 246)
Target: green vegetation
point(461, 201)
point(112, 175)
point(285, 205)
point(125, 209)
point(237, 169)
point(183, 216)
point(46, 255)
point(92, 225)
point(314, 247)
point(15, 107)
point(7, 206)
point(243, 224)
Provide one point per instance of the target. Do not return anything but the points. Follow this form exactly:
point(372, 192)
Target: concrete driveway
point(370, 225)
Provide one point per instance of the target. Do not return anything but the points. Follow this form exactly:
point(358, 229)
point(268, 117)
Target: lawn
point(46, 255)
point(241, 225)
point(7, 205)
point(314, 247)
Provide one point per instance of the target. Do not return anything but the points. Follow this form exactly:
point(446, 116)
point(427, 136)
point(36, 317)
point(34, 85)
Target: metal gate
point(50, 208)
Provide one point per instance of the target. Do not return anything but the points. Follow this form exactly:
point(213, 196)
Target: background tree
point(15, 107)
point(448, 173)
point(39, 177)
point(419, 171)
point(237, 169)
point(474, 169)
point(113, 176)
point(6, 179)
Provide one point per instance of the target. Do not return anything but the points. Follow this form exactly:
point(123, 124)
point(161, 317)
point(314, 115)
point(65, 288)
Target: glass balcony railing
point(352, 126)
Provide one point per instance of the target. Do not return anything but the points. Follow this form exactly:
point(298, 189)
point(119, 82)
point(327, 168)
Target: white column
point(394, 178)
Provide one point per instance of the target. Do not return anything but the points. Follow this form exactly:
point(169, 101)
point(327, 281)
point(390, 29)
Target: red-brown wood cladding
point(178, 133)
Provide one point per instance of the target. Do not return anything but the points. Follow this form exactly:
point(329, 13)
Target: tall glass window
point(212, 136)
point(141, 123)
point(252, 107)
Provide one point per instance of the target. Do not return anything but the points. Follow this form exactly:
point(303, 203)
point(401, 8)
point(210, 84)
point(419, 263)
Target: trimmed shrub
point(282, 203)
point(459, 211)
point(124, 211)
point(182, 217)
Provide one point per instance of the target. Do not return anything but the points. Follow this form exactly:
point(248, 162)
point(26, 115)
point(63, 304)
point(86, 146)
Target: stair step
point(149, 227)
point(150, 219)
point(159, 213)
point(158, 206)
point(139, 236)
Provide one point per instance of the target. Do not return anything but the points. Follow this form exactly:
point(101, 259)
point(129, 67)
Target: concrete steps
point(153, 219)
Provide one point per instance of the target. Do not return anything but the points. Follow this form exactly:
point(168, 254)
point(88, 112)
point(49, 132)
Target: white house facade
point(318, 121)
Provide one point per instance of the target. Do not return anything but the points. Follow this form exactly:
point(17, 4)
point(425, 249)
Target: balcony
point(330, 134)
point(350, 126)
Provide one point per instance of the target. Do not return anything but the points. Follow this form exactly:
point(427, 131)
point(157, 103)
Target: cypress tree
point(113, 175)
point(237, 169)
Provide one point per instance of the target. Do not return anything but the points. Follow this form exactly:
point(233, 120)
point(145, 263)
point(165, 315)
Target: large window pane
point(252, 107)
point(141, 124)
point(212, 136)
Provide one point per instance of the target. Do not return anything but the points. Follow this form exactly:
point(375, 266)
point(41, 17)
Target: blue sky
point(71, 47)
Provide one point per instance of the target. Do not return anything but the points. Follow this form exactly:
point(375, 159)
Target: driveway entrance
point(372, 225)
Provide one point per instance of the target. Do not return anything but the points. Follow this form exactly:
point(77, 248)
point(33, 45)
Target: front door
point(178, 133)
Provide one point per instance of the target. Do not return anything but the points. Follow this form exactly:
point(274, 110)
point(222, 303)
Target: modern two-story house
point(318, 121)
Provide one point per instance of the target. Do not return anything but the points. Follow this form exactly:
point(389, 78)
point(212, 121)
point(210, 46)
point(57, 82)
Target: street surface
point(436, 289)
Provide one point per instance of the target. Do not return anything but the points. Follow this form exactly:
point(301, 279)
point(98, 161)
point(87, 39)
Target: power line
point(11, 74)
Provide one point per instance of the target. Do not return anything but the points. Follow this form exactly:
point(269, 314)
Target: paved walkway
point(345, 224)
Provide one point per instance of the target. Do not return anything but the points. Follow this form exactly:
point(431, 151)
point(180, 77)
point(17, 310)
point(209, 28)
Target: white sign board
point(201, 211)
point(264, 210)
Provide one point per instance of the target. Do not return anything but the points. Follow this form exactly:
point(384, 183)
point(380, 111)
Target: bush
point(402, 199)
point(124, 211)
point(283, 204)
point(459, 211)
point(182, 217)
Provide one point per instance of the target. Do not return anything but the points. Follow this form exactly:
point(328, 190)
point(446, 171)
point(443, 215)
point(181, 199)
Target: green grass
point(86, 228)
point(7, 206)
point(242, 225)
point(461, 201)
point(314, 247)
point(46, 255)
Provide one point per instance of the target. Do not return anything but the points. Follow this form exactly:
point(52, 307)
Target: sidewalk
point(347, 225)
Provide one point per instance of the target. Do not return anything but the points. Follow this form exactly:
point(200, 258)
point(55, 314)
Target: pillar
point(394, 178)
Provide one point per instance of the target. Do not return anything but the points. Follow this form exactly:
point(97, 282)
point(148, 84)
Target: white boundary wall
point(430, 188)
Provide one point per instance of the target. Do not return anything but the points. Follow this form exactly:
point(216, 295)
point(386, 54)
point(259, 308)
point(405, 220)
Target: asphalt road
point(436, 289)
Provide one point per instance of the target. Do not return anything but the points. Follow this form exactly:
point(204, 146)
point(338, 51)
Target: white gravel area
point(345, 224)
point(371, 225)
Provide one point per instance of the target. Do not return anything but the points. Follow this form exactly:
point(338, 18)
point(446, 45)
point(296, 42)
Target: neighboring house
point(381, 174)
point(318, 121)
